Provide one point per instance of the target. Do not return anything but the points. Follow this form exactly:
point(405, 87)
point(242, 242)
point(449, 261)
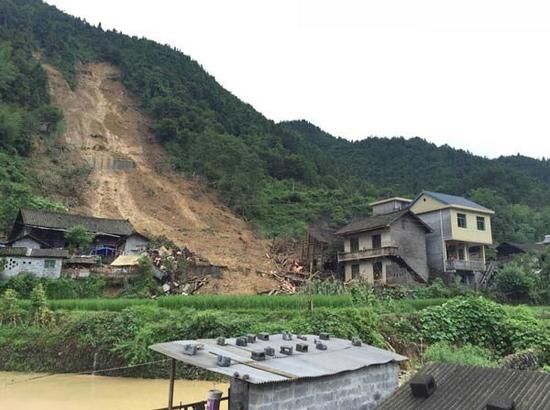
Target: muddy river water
point(22, 391)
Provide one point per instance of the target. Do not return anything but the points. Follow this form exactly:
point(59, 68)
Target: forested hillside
point(278, 176)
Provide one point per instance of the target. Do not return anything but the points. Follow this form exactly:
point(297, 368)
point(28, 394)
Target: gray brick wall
point(410, 236)
point(440, 222)
point(361, 389)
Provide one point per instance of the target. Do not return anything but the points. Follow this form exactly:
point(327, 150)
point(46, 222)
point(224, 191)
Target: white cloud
point(473, 74)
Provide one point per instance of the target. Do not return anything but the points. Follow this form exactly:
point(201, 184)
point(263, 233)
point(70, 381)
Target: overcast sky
point(471, 74)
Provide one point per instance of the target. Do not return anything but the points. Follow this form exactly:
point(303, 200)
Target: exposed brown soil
point(104, 124)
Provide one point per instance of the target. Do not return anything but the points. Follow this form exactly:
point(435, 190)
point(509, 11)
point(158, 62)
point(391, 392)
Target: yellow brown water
point(21, 391)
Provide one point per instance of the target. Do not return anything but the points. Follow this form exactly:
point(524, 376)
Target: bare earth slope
point(106, 129)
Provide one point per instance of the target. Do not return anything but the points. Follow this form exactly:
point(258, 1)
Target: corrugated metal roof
point(340, 356)
point(469, 388)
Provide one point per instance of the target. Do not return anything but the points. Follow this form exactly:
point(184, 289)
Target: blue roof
point(454, 200)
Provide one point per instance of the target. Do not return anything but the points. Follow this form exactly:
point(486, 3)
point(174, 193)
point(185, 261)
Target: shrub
point(513, 282)
point(324, 287)
point(61, 288)
point(40, 312)
point(10, 313)
point(466, 354)
point(480, 322)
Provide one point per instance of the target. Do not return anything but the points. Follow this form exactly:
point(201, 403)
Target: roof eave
point(351, 232)
point(462, 207)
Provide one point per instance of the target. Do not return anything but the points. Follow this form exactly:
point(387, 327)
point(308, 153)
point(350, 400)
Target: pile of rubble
point(182, 271)
point(289, 272)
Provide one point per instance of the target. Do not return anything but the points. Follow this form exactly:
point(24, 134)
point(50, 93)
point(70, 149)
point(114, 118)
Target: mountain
point(278, 177)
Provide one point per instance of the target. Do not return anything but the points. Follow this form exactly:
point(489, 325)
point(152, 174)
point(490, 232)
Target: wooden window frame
point(355, 270)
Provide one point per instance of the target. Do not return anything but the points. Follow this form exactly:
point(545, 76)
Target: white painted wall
point(14, 265)
point(26, 243)
point(135, 245)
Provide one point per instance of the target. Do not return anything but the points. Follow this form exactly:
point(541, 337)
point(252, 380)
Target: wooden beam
point(171, 388)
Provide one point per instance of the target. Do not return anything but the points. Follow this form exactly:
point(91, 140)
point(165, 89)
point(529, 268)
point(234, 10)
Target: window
point(354, 244)
point(480, 223)
point(377, 271)
point(49, 264)
point(376, 241)
point(355, 271)
point(461, 253)
point(461, 220)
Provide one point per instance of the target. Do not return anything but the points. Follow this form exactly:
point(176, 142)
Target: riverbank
point(85, 392)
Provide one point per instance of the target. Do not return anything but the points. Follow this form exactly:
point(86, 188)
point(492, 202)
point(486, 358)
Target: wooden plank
point(171, 388)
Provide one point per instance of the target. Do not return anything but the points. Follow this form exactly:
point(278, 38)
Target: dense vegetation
point(280, 176)
point(62, 336)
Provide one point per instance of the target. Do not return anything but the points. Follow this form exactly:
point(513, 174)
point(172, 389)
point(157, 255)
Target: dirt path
point(106, 129)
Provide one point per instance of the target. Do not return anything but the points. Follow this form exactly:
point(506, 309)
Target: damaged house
point(388, 247)
point(38, 229)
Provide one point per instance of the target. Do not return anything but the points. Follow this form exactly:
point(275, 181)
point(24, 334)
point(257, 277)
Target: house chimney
point(423, 385)
point(500, 402)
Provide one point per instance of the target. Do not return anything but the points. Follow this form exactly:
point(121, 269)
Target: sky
point(471, 74)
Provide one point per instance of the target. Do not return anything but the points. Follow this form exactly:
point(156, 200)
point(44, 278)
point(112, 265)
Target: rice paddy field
point(234, 303)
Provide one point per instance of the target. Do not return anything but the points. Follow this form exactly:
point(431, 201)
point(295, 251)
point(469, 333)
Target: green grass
point(255, 302)
point(413, 305)
point(214, 302)
point(466, 354)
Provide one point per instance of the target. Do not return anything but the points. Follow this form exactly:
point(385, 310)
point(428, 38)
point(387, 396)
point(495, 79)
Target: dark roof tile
point(63, 221)
point(462, 387)
point(378, 222)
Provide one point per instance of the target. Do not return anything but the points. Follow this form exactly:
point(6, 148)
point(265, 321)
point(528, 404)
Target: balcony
point(472, 265)
point(368, 253)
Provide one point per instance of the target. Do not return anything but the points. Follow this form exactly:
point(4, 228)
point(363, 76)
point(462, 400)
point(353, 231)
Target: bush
point(40, 312)
point(466, 354)
point(481, 322)
point(10, 313)
point(513, 282)
point(437, 289)
point(61, 288)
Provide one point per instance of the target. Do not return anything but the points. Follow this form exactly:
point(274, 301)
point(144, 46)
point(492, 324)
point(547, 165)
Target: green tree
point(49, 116)
point(78, 237)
